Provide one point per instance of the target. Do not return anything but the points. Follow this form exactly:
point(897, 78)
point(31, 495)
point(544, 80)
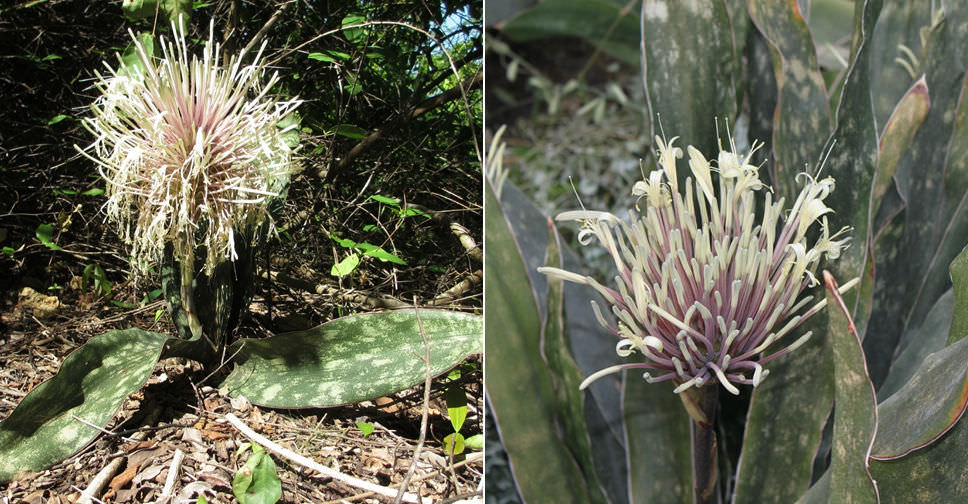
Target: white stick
point(312, 464)
point(176, 462)
point(94, 488)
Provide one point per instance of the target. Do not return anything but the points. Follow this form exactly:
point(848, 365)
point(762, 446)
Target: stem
point(188, 298)
point(705, 475)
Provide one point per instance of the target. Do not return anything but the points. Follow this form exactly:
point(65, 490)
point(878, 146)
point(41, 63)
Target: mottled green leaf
point(819, 493)
point(352, 358)
point(954, 231)
point(592, 347)
point(895, 138)
point(690, 69)
point(935, 473)
point(959, 318)
point(785, 421)
point(852, 151)
point(609, 25)
point(930, 186)
point(518, 385)
point(926, 407)
point(761, 83)
point(657, 427)
point(899, 25)
point(801, 121)
point(566, 377)
point(897, 135)
point(855, 412)
point(90, 386)
point(917, 343)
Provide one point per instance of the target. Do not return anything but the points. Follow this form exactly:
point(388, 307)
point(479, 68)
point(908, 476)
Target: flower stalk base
point(705, 476)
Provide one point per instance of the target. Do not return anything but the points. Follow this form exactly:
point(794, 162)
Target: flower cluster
point(190, 149)
point(705, 287)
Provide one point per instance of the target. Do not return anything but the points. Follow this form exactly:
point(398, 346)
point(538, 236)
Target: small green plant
point(257, 482)
point(359, 250)
point(45, 233)
point(394, 205)
point(454, 443)
point(366, 428)
point(94, 277)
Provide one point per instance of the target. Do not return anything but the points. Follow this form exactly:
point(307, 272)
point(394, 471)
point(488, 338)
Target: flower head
point(189, 148)
point(706, 290)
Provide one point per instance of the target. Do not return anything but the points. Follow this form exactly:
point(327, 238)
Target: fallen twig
point(467, 241)
point(455, 292)
point(471, 458)
point(316, 466)
point(100, 480)
point(176, 462)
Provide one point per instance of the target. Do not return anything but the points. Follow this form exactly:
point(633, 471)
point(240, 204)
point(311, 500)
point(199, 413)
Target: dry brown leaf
point(123, 478)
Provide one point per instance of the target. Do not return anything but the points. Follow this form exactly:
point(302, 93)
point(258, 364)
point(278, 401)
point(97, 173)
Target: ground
point(181, 409)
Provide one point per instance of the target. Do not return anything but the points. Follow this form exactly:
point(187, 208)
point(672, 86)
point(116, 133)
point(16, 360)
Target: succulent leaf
point(51, 422)
point(352, 358)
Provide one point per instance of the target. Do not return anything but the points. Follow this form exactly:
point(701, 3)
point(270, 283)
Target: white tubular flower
point(704, 287)
point(189, 148)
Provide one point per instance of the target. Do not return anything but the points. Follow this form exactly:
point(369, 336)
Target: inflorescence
point(190, 149)
point(705, 288)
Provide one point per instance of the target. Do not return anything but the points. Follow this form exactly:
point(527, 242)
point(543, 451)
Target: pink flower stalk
point(190, 149)
point(704, 289)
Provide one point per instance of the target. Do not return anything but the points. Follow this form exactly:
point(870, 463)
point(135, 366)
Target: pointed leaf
point(45, 233)
point(855, 412)
point(930, 190)
point(785, 421)
point(90, 385)
point(566, 377)
point(852, 154)
point(592, 347)
point(518, 385)
point(894, 140)
point(679, 38)
point(257, 481)
point(897, 135)
point(660, 456)
point(801, 121)
point(352, 358)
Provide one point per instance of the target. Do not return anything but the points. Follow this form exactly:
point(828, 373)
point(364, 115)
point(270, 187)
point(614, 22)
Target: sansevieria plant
point(193, 158)
point(718, 267)
point(192, 155)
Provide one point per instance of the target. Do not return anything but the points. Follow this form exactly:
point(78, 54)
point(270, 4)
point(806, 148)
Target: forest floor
point(180, 411)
